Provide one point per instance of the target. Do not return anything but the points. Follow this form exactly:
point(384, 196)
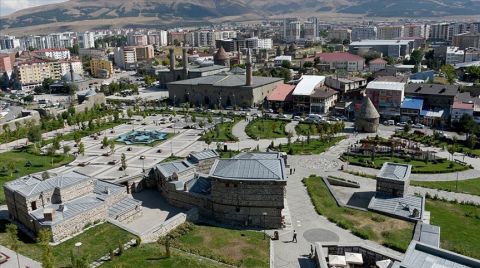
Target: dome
point(68, 77)
point(221, 55)
point(368, 110)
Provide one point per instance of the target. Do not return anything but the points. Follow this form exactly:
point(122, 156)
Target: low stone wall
point(156, 232)
point(27, 116)
point(343, 183)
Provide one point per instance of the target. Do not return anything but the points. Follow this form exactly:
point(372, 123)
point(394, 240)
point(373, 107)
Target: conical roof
point(368, 110)
point(221, 54)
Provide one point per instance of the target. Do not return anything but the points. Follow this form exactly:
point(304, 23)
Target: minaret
point(71, 72)
point(185, 63)
point(172, 62)
point(248, 65)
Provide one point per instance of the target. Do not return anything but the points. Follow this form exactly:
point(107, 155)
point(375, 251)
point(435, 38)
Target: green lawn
point(391, 232)
point(221, 133)
point(315, 146)
point(465, 186)
point(442, 166)
point(20, 158)
point(302, 129)
point(96, 242)
point(88, 132)
point(153, 255)
point(266, 129)
point(241, 248)
point(459, 226)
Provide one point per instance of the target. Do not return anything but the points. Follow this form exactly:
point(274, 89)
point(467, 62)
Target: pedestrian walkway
point(12, 261)
point(450, 196)
point(238, 130)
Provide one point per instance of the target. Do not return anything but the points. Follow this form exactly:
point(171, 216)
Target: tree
point(474, 72)
point(123, 160)
point(81, 148)
point(286, 74)
point(449, 72)
point(105, 142)
point(112, 146)
point(12, 239)
point(74, 50)
point(44, 238)
point(417, 57)
point(66, 149)
point(11, 166)
point(45, 175)
point(209, 118)
point(28, 98)
point(286, 64)
point(308, 64)
point(34, 134)
point(471, 141)
point(47, 82)
point(407, 128)
point(466, 124)
point(4, 81)
point(77, 138)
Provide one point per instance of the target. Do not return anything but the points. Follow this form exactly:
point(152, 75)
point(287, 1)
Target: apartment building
point(137, 39)
point(101, 68)
point(466, 40)
point(159, 38)
point(340, 34)
point(293, 31)
point(54, 53)
point(439, 32)
point(32, 72)
point(390, 32)
point(387, 97)
point(416, 30)
point(125, 57)
point(364, 33)
point(342, 61)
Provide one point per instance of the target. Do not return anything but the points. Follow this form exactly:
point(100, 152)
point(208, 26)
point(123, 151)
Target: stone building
point(221, 57)
point(247, 190)
point(67, 204)
point(367, 119)
point(203, 160)
point(393, 179)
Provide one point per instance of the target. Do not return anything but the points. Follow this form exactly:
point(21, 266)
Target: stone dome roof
point(368, 110)
point(68, 77)
point(221, 54)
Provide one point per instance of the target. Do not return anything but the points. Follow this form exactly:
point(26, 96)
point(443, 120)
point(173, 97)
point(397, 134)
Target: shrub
point(120, 248)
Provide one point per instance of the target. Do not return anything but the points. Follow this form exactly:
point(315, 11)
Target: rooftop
point(257, 155)
point(202, 155)
point(33, 185)
point(431, 89)
point(167, 169)
point(282, 92)
point(378, 61)
point(249, 169)
point(427, 234)
point(463, 105)
point(339, 56)
point(402, 207)
point(412, 103)
point(323, 92)
point(307, 85)
point(380, 42)
point(228, 81)
point(395, 171)
point(386, 85)
point(420, 255)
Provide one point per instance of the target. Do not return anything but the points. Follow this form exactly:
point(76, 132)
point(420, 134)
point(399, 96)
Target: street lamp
point(264, 225)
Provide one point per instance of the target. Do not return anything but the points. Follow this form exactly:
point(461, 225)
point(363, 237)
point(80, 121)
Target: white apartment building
point(255, 42)
point(364, 33)
point(87, 40)
point(125, 57)
point(159, 38)
point(389, 32)
point(137, 39)
point(456, 29)
point(415, 30)
point(439, 31)
point(293, 31)
point(9, 42)
point(54, 53)
point(310, 30)
point(454, 55)
point(340, 34)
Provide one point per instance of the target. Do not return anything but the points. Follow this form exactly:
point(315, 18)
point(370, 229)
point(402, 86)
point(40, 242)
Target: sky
point(10, 6)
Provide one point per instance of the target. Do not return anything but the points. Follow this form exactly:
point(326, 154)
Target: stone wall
point(392, 187)
point(204, 166)
point(27, 116)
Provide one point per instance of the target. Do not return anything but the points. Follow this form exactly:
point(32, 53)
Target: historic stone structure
point(367, 119)
point(67, 204)
point(247, 190)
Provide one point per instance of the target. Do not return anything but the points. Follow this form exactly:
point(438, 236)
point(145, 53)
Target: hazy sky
point(10, 6)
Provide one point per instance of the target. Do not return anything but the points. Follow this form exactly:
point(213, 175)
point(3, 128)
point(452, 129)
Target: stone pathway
point(13, 262)
point(238, 130)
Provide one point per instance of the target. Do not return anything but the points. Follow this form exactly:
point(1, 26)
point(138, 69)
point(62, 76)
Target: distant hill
point(101, 13)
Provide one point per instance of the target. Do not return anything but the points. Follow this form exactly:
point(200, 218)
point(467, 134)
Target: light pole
point(264, 225)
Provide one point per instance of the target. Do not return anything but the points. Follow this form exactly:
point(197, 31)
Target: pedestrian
point(311, 251)
point(294, 239)
point(293, 170)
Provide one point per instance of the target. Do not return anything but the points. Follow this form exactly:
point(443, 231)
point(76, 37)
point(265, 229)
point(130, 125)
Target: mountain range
point(102, 13)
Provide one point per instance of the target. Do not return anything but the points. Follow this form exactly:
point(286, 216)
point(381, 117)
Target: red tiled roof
point(339, 56)
point(378, 61)
point(463, 105)
point(282, 92)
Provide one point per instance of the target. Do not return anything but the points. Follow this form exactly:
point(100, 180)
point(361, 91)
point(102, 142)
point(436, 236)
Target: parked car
point(389, 122)
point(282, 116)
point(401, 124)
point(418, 125)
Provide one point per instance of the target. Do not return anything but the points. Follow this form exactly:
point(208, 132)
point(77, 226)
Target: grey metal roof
point(167, 169)
point(123, 206)
point(399, 206)
point(427, 234)
point(33, 185)
point(79, 205)
point(257, 155)
point(202, 155)
point(201, 185)
point(208, 69)
point(421, 255)
point(228, 81)
point(395, 171)
point(431, 89)
point(249, 169)
point(367, 110)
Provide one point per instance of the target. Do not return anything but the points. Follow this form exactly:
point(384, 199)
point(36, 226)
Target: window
point(227, 184)
point(34, 205)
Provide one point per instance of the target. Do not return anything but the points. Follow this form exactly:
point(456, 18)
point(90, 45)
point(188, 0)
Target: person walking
point(294, 239)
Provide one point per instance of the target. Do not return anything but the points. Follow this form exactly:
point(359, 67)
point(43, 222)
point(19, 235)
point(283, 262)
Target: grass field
point(221, 133)
point(236, 247)
point(303, 129)
point(465, 186)
point(153, 256)
point(315, 146)
point(444, 166)
point(266, 129)
point(19, 159)
point(393, 233)
point(96, 242)
point(459, 226)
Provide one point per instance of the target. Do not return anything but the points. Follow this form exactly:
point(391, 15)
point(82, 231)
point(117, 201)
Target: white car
point(418, 126)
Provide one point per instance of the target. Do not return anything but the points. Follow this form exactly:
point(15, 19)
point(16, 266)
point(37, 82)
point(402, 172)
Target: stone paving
point(12, 261)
